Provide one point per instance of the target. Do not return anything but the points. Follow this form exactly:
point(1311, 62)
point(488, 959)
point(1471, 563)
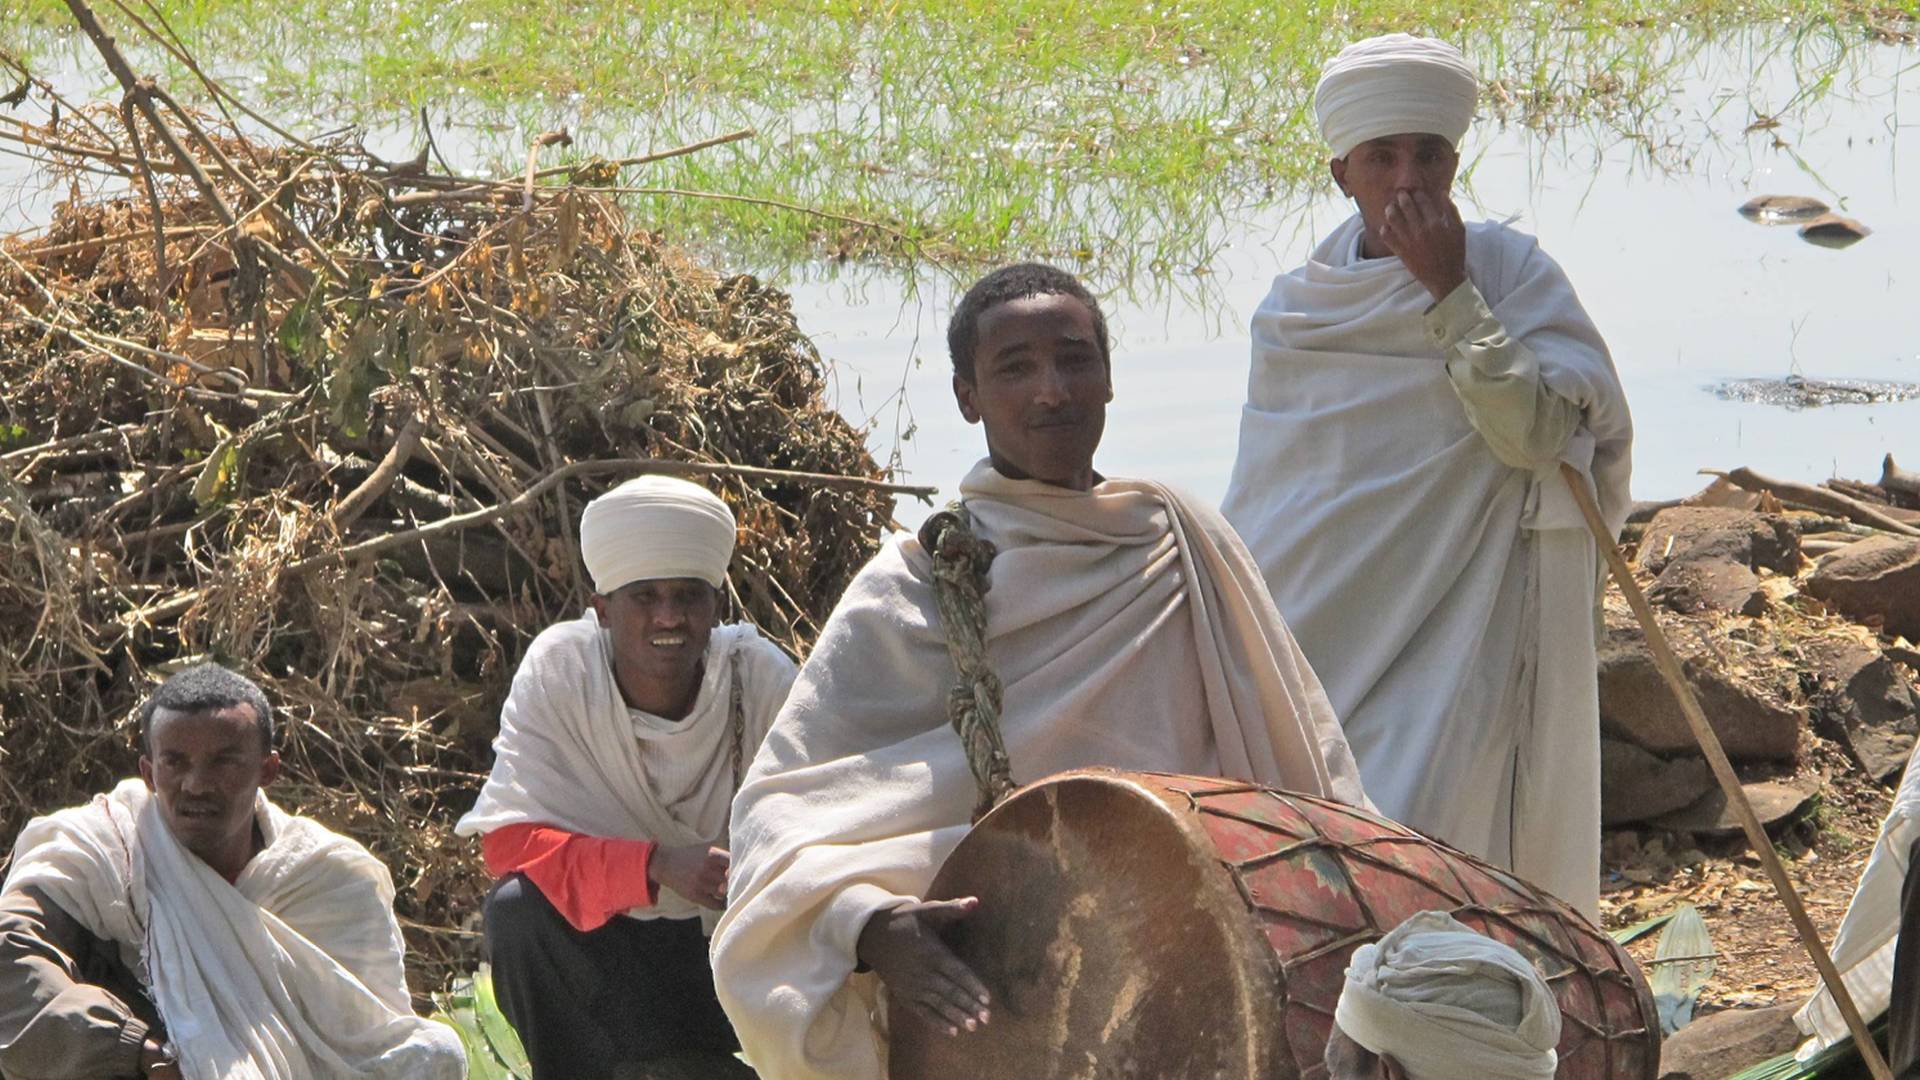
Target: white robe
point(1130, 629)
point(292, 972)
point(1446, 599)
point(1863, 947)
point(572, 755)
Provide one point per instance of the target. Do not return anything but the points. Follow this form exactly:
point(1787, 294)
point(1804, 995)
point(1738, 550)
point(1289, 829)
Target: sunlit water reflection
point(1687, 291)
point(1639, 206)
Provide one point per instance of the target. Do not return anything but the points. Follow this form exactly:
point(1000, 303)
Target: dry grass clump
point(333, 421)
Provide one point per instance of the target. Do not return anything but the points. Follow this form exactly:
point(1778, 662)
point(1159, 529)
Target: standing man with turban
point(1435, 1001)
point(1415, 388)
point(622, 742)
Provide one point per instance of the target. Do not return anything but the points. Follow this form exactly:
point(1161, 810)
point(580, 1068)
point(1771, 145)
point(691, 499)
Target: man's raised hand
point(697, 872)
point(1430, 239)
point(903, 947)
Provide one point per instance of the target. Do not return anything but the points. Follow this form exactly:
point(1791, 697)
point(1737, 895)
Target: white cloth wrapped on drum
point(1395, 84)
point(1450, 1004)
point(294, 971)
point(1130, 628)
point(655, 527)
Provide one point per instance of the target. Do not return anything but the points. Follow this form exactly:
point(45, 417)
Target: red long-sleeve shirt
point(589, 879)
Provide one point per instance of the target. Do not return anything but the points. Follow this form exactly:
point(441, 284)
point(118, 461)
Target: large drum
point(1156, 926)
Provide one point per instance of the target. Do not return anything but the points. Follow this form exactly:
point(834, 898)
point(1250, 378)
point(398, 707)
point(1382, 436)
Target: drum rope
point(960, 562)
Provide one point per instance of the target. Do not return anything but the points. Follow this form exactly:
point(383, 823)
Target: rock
point(1864, 700)
point(1774, 802)
point(1753, 540)
point(1834, 231)
point(1877, 576)
point(1637, 707)
point(1724, 1043)
point(1782, 209)
point(1636, 785)
point(1692, 585)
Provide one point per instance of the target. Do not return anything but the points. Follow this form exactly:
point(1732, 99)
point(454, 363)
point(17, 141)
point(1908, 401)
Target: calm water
point(1686, 291)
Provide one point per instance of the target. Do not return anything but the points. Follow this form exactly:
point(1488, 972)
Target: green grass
point(1128, 137)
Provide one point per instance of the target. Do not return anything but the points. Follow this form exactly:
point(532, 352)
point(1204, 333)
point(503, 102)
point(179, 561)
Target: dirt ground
point(1760, 959)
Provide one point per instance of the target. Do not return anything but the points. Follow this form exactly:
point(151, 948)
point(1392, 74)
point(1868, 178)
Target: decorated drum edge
point(1178, 793)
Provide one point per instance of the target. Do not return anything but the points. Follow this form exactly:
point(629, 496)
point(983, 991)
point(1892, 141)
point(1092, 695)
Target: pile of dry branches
point(331, 420)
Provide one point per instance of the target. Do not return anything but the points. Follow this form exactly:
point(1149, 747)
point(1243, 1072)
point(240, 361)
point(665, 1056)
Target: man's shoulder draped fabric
point(294, 970)
point(1130, 629)
point(1444, 597)
point(571, 754)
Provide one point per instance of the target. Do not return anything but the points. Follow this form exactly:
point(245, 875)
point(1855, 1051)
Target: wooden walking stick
point(1669, 666)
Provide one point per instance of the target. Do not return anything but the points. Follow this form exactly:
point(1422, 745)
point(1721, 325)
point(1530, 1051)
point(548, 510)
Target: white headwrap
point(1450, 1004)
point(655, 527)
point(1395, 84)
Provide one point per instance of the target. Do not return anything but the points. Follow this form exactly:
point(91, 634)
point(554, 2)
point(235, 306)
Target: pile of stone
point(1794, 621)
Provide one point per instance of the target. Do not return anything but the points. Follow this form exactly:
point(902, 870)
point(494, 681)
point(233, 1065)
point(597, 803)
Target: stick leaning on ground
point(1716, 756)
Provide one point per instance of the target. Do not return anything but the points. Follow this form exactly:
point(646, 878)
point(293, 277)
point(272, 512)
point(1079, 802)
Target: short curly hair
point(1015, 282)
point(204, 688)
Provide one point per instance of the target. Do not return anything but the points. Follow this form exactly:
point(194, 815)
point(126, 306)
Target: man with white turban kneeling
point(1434, 1000)
point(622, 742)
point(182, 925)
point(1128, 627)
point(1415, 388)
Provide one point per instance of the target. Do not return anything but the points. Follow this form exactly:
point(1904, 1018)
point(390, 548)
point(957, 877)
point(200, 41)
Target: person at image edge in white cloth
point(182, 925)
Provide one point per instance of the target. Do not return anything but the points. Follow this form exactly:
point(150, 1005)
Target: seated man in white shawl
point(1128, 627)
point(1433, 1000)
point(621, 744)
point(182, 925)
point(1414, 389)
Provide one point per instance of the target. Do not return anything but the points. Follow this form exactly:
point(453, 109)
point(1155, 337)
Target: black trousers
point(612, 1002)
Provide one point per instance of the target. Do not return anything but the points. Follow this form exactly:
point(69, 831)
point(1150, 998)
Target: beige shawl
point(1131, 629)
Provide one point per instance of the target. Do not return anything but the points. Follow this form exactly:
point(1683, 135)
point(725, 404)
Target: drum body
point(1158, 926)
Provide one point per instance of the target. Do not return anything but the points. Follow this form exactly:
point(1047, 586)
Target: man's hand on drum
point(903, 947)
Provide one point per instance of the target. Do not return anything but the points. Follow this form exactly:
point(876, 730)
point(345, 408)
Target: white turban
point(655, 527)
point(1395, 84)
point(1450, 1004)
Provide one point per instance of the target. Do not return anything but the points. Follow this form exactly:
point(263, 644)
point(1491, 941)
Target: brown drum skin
point(1159, 926)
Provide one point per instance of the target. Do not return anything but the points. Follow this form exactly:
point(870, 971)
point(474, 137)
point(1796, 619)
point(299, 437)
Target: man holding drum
point(1129, 628)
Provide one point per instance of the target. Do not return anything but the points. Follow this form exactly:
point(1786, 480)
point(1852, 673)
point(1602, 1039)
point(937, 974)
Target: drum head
point(1112, 940)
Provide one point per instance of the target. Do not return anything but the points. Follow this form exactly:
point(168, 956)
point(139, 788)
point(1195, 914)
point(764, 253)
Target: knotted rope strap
point(737, 719)
point(960, 562)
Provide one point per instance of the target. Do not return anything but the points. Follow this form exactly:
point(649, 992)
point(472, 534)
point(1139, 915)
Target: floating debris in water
point(1799, 392)
point(1833, 231)
point(1782, 209)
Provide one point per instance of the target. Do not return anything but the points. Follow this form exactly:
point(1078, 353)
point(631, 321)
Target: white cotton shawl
point(1446, 599)
point(294, 971)
point(1450, 1004)
point(1864, 945)
point(572, 755)
point(1130, 629)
